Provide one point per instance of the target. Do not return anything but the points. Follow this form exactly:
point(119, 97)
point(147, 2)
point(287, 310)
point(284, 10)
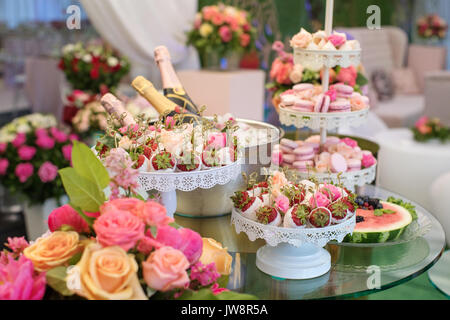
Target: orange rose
point(357, 103)
point(165, 269)
point(53, 251)
point(214, 252)
point(106, 274)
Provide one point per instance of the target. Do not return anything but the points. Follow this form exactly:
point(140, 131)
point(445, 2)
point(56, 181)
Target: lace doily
point(296, 237)
point(317, 59)
point(317, 120)
point(349, 179)
point(188, 181)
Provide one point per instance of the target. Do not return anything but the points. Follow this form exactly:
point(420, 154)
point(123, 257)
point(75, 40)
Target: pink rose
point(368, 160)
point(283, 73)
point(119, 228)
point(47, 172)
point(170, 122)
point(208, 12)
point(41, 132)
point(66, 215)
point(151, 212)
point(3, 146)
point(319, 200)
point(19, 281)
point(282, 203)
point(73, 136)
point(333, 192)
point(350, 142)
point(166, 269)
point(225, 33)
point(296, 74)
point(422, 121)
point(347, 76)
point(217, 140)
point(59, 136)
point(336, 40)
point(278, 46)
point(244, 39)
point(217, 19)
point(301, 40)
point(187, 241)
point(19, 140)
point(26, 152)
point(45, 142)
point(424, 129)
point(24, 171)
point(4, 164)
point(67, 152)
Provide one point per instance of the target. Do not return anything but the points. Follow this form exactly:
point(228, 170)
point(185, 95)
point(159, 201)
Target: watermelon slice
point(386, 227)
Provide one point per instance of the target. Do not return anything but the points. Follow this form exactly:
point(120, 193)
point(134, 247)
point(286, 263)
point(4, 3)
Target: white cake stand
point(168, 183)
point(319, 59)
point(293, 253)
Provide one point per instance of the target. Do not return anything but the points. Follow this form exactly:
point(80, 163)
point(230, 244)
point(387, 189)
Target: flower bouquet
point(426, 129)
point(116, 249)
point(432, 26)
point(75, 101)
point(32, 150)
point(220, 31)
point(93, 68)
point(284, 74)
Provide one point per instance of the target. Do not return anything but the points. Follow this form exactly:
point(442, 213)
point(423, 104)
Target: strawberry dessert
point(163, 161)
point(320, 217)
point(296, 217)
point(268, 215)
point(246, 204)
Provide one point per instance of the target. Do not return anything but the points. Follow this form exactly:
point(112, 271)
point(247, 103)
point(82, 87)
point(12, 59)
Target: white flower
point(87, 58)
point(23, 128)
point(68, 48)
point(113, 61)
point(125, 143)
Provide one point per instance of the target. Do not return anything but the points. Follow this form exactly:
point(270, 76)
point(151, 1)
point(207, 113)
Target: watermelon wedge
point(386, 227)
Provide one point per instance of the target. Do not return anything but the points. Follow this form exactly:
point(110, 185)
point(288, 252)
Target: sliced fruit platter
point(389, 221)
point(280, 203)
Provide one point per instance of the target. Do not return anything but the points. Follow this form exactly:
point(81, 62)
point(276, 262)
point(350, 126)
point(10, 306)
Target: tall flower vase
point(36, 216)
point(212, 60)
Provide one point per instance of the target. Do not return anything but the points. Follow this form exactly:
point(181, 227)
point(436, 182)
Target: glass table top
point(355, 271)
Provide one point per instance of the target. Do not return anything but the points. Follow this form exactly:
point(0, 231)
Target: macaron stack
point(306, 97)
point(338, 155)
point(321, 41)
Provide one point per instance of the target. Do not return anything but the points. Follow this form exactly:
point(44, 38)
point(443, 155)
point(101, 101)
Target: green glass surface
point(348, 276)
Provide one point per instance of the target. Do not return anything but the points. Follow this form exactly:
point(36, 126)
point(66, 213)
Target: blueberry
point(359, 219)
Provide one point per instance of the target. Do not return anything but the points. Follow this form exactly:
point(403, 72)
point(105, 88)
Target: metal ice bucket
point(216, 201)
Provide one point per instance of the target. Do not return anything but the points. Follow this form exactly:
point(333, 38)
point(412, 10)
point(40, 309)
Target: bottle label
point(179, 96)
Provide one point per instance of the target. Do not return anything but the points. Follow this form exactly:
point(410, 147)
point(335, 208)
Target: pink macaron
point(338, 163)
point(303, 166)
point(302, 87)
point(304, 153)
point(303, 105)
point(288, 143)
point(314, 145)
point(353, 164)
point(288, 100)
point(322, 103)
point(288, 158)
point(340, 105)
point(343, 90)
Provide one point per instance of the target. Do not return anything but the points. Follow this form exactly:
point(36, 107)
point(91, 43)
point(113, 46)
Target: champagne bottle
point(115, 107)
point(162, 104)
point(173, 90)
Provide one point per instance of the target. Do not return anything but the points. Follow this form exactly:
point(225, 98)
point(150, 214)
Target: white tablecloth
point(408, 167)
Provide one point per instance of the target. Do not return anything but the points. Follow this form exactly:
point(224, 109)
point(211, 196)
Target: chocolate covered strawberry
point(339, 210)
point(296, 217)
point(140, 161)
point(294, 193)
point(268, 215)
point(319, 217)
point(150, 147)
point(210, 158)
point(188, 162)
point(163, 161)
point(246, 204)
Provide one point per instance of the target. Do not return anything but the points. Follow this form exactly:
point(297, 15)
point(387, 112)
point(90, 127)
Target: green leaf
point(150, 292)
point(89, 220)
point(56, 278)
point(75, 258)
point(87, 165)
point(81, 191)
point(175, 225)
point(361, 80)
point(223, 281)
point(154, 231)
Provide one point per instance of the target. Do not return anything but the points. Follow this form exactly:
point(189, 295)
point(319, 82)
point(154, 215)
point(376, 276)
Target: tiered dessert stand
point(297, 253)
point(167, 183)
point(322, 59)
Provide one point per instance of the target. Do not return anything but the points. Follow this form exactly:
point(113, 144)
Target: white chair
point(440, 199)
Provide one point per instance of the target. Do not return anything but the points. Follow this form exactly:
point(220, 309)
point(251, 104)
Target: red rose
point(94, 73)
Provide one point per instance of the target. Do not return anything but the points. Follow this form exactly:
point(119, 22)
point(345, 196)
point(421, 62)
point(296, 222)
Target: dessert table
point(410, 167)
point(350, 275)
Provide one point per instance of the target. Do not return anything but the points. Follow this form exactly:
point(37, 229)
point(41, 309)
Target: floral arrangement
point(222, 29)
point(117, 249)
point(426, 129)
point(32, 150)
point(281, 203)
point(173, 145)
point(432, 26)
point(284, 74)
point(93, 68)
